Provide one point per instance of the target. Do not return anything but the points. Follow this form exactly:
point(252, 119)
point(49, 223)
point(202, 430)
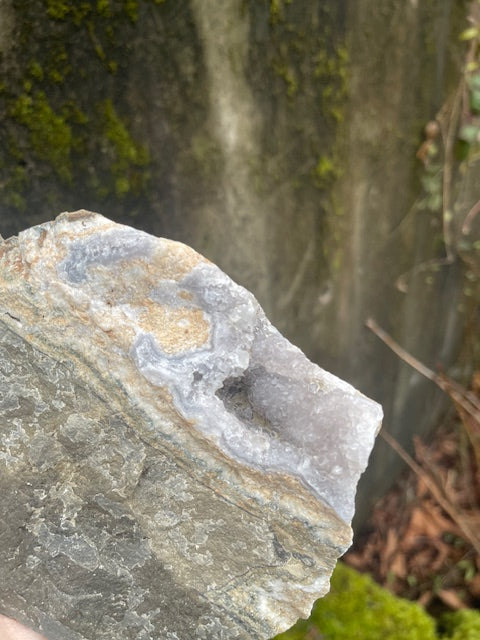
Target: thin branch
point(296, 283)
point(401, 282)
point(436, 492)
point(457, 393)
point(467, 223)
point(400, 351)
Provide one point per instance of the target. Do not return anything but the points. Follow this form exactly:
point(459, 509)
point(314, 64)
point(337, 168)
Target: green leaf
point(462, 149)
point(474, 81)
point(469, 34)
point(475, 101)
point(469, 133)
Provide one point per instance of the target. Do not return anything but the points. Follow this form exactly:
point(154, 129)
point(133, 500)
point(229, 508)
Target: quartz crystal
point(139, 383)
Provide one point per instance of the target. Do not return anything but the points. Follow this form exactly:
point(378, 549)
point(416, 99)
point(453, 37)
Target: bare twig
point(400, 351)
point(468, 402)
point(288, 296)
point(435, 490)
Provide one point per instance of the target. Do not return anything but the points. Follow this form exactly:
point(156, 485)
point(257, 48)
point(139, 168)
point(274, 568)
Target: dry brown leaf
point(391, 544)
point(398, 566)
point(451, 599)
point(476, 383)
point(388, 550)
point(422, 489)
point(443, 551)
point(356, 560)
point(438, 520)
point(421, 561)
point(425, 522)
point(425, 599)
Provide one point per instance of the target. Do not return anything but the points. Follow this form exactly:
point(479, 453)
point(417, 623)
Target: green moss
point(131, 9)
point(57, 64)
point(325, 171)
point(313, 64)
point(368, 612)
point(99, 50)
point(288, 75)
point(56, 77)
point(277, 9)
point(462, 625)
point(61, 10)
point(358, 609)
point(35, 70)
point(13, 189)
point(74, 115)
point(81, 11)
point(332, 72)
point(128, 158)
point(58, 9)
point(67, 137)
point(49, 134)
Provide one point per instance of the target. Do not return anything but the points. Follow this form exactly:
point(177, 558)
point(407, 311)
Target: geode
point(171, 467)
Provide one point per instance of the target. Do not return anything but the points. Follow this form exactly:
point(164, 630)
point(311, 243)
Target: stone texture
point(171, 467)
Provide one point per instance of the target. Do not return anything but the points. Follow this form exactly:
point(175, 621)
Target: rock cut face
point(200, 376)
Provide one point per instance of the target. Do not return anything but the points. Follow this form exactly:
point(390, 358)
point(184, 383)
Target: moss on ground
point(461, 625)
point(358, 609)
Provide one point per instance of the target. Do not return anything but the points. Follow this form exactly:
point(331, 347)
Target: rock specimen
point(171, 467)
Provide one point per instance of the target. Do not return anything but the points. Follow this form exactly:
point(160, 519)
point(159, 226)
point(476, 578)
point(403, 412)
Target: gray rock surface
point(171, 467)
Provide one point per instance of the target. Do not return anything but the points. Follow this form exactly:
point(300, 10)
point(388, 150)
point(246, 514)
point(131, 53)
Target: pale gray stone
point(171, 467)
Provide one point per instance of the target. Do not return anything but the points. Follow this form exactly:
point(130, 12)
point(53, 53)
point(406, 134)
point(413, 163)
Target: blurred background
point(324, 153)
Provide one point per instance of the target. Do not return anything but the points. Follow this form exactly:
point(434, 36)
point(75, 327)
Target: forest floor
point(423, 540)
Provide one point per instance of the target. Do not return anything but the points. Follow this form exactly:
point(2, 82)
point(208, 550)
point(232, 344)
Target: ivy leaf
point(469, 133)
point(475, 101)
point(474, 82)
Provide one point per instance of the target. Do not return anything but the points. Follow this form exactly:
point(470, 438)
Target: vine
point(450, 149)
